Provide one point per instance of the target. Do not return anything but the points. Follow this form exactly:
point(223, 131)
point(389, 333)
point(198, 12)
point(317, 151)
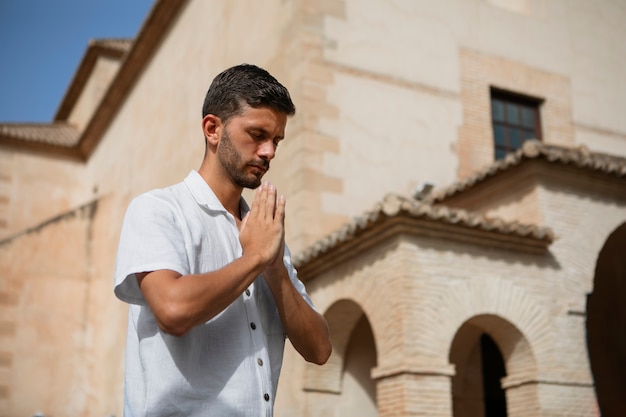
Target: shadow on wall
point(606, 325)
point(345, 385)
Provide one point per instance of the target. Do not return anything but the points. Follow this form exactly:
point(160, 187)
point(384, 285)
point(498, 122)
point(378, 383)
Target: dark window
point(493, 371)
point(515, 119)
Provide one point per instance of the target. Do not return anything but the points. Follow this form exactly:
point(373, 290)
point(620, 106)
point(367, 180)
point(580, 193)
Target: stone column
point(532, 397)
point(404, 391)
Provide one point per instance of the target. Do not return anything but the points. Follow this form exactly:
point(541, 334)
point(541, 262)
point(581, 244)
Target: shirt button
point(253, 326)
point(266, 396)
point(248, 293)
point(259, 361)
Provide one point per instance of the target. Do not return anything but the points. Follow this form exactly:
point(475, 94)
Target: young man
point(210, 283)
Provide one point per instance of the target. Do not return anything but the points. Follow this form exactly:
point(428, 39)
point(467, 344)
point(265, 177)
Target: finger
point(280, 209)
point(270, 203)
point(261, 199)
point(254, 208)
point(262, 203)
point(244, 221)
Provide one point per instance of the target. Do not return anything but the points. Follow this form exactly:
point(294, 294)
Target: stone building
point(456, 185)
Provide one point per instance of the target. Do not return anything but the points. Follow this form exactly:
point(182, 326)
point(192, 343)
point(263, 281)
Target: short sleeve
point(293, 275)
point(151, 239)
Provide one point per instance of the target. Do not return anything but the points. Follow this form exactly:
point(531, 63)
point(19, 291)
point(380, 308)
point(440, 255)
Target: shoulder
point(159, 208)
point(158, 199)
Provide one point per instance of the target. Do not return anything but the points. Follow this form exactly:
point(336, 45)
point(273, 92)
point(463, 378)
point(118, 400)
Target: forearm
point(307, 330)
point(180, 303)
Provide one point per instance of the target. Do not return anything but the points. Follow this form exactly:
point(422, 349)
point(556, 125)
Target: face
point(248, 144)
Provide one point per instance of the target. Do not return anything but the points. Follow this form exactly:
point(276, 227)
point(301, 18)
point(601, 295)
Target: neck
point(228, 193)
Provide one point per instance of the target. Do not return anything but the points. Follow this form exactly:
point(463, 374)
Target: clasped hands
point(262, 233)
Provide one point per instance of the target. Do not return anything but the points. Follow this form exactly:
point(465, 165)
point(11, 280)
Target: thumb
point(244, 221)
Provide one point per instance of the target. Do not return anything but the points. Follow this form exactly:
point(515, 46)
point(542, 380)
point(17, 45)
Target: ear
point(212, 128)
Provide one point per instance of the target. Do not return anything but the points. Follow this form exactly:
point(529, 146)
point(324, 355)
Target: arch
point(342, 317)
point(466, 353)
point(515, 319)
point(358, 388)
point(605, 324)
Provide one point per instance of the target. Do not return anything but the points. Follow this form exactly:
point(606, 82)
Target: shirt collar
point(204, 195)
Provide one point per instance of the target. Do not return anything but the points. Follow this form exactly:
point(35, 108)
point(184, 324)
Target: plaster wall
point(35, 188)
point(390, 142)
point(44, 331)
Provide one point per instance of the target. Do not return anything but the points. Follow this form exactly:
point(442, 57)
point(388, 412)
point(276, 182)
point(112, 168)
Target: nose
point(267, 150)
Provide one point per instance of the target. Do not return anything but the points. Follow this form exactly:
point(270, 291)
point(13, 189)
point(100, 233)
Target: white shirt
point(228, 366)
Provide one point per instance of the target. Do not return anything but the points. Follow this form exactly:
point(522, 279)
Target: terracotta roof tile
point(395, 205)
point(117, 44)
point(58, 134)
point(580, 157)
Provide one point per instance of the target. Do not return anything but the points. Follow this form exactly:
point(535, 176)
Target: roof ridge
point(580, 156)
point(394, 205)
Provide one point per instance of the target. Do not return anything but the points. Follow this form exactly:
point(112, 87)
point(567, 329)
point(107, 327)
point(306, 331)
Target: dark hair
point(249, 84)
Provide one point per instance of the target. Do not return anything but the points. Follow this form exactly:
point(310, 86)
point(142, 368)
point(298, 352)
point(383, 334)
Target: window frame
point(519, 102)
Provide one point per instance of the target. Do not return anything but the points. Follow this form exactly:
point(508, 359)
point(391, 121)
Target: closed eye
point(262, 135)
point(257, 135)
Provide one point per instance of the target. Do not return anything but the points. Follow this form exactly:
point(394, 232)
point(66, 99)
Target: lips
point(262, 166)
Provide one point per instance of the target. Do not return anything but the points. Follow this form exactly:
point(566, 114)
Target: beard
point(236, 168)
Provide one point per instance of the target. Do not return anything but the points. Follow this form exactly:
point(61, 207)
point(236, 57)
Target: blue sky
point(43, 41)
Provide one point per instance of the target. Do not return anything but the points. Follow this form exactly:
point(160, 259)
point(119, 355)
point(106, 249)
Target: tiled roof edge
point(116, 48)
point(395, 205)
point(115, 44)
point(58, 133)
point(55, 139)
point(580, 157)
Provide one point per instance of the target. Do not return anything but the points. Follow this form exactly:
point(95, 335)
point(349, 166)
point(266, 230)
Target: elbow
point(322, 354)
point(324, 348)
point(326, 354)
point(173, 321)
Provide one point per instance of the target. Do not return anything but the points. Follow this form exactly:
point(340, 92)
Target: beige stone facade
point(518, 259)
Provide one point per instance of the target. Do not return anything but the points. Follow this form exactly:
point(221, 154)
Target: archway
point(493, 370)
point(606, 325)
point(483, 350)
point(345, 381)
point(358, 393)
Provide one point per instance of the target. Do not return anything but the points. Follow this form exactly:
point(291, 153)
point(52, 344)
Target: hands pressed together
point(262, 231)
point(262, 235)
